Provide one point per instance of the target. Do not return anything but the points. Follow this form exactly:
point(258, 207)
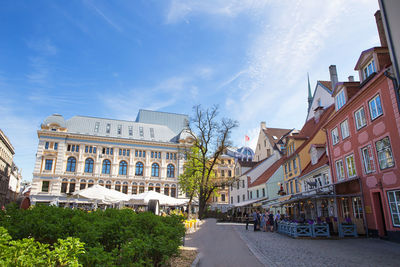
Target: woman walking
point(263, 222)
point(271, 221)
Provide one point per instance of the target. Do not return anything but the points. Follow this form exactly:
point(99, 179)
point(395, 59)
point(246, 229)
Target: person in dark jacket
point(271, 221)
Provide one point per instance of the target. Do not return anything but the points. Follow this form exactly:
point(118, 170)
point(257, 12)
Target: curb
point(196, 261)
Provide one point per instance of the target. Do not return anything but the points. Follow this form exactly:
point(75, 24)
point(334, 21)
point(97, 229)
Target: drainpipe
point(396, 87)
point(364, 213)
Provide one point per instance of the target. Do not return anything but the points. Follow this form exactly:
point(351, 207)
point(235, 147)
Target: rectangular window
point(159, 155)
point(243, 183)
point(290, 166)
point(69, 148)
point(359, 117)
point(86, 149)
point(141, 133)
point(251, 194)
point(128, 151)
point(108, 128)
point(108, 151)
point(152, 132)
point(384, 151)
point(136, 153)
point(223, 197)
point(231, 200)
point(45, 186)
point(357, 208)
point(55, 146)
point(90, 149)
point(77, 148)
point(351, 167)
point(257, 193)
point(124, 152)
point(335, 136)
point(340, 100)
point(294, 164)
point(119, 130)
point(94, 150)
point(345, 208)
point(222, 173)
point(152, 154)
point(96, 127)
point(344, 128)
point(287, 188)
point(73, 148)
point(46, 145)
point(394, 203)
point(167, 155)
point(238, 185)
point(48, 165)
point(291, 188)
point(368, 160)
point(286, 168)
point(263, 192)
point(375, 107)
point(369, 69)
point(238, 199)
point(297, 187)
point(120, 152)
point(339, 170)
point(130, 129)
point(111, 151)
point(243, 197)
point(229, 173)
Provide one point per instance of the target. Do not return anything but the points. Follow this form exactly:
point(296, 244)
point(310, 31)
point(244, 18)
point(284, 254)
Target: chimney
point(263, 125)
point(381, 30)
point(317, 113)
point(351, 78)
point(333, 74)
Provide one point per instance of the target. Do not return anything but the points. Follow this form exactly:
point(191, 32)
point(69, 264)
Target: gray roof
point(55, 119)
point(176, 122)
point(87, 125)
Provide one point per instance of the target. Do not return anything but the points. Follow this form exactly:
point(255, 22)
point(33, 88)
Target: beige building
point(269, 142)
point(128, 156)
point(6, 163)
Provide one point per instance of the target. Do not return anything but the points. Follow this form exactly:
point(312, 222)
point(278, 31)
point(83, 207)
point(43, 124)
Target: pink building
point(364, 140)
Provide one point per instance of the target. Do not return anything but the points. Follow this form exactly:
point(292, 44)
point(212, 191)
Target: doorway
point(379, 215)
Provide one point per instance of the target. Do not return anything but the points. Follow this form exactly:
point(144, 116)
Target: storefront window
point(345, 208)
point(394, 203)
point(357, 208)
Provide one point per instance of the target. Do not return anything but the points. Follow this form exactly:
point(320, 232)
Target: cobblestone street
point(274, 249)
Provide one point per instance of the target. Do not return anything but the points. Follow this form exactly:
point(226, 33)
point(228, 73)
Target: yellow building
point(297, 153)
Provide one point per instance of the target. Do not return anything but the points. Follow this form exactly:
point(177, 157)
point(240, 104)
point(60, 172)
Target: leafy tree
point(211, 139)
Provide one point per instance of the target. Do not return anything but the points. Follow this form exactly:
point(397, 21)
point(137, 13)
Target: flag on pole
point(246, 138)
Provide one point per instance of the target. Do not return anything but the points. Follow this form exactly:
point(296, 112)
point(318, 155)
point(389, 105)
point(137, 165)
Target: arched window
point(64, 185)
point(101, 182)
point(141, 188)
point(155, 168)
point(71, 164)
point(125, 188)
point(72, 185)
point(139, 169)
point(118, 186)
point(166, 189)
point(89, 165)
point(122, 167)
point(108, 184)
point(106, 166)
point(82, 184)
point(151, 187)
point(134, 188)
point(170, 171)
point(158, 188)
point(90, 183)
point(173, 190)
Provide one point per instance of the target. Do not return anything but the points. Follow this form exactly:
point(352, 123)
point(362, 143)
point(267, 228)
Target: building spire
point(310, 98)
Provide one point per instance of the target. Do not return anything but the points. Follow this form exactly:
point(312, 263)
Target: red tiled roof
point(311, 127)
point(327, 84)
point(264, 177)
point(323, 160)
point(277, 132)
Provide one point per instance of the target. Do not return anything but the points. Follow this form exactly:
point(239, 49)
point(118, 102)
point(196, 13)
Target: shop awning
point(250, 202)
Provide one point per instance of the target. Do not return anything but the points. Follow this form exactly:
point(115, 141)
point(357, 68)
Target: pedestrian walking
point(271, 221)
point(255, 220)
point(263, 221)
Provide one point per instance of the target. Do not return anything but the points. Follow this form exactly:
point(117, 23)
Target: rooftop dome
point(245, 153)
point(55, 119)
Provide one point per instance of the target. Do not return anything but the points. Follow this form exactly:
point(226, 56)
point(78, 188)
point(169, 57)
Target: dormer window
point(108, 128)
point(369, 69)
point(340, 100)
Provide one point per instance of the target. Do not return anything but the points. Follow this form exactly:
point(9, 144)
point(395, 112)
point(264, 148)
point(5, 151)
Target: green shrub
point(112, 237)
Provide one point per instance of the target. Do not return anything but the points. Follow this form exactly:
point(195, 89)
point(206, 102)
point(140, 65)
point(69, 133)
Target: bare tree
point(212, 137)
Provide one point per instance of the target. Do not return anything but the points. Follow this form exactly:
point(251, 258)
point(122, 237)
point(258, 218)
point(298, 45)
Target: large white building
point(128, 156)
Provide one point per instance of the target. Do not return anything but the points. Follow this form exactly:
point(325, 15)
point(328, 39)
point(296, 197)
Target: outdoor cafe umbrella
point(144, 198)
point(102, 194)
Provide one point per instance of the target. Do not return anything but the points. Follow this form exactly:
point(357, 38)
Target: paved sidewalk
point(221, 245)
point(274, 249)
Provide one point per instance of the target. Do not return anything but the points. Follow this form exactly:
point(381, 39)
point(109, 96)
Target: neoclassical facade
point(129, 156)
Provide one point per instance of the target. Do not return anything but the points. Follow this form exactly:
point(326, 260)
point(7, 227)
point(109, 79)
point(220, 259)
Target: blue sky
point(112, 58)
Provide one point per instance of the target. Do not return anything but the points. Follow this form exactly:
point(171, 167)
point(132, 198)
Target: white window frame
point(344, 129)
point(335, 136)
point(369, 69)
point(386, 152)
point(340, 99)
point(340, 174)
point(368, 159)
point(373, 106)
point(358, 211)
point(360, 119)
point(351, 169)
point(394, 206)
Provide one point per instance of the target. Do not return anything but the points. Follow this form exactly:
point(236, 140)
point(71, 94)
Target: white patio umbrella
point(102, 194)
point(144, 198)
